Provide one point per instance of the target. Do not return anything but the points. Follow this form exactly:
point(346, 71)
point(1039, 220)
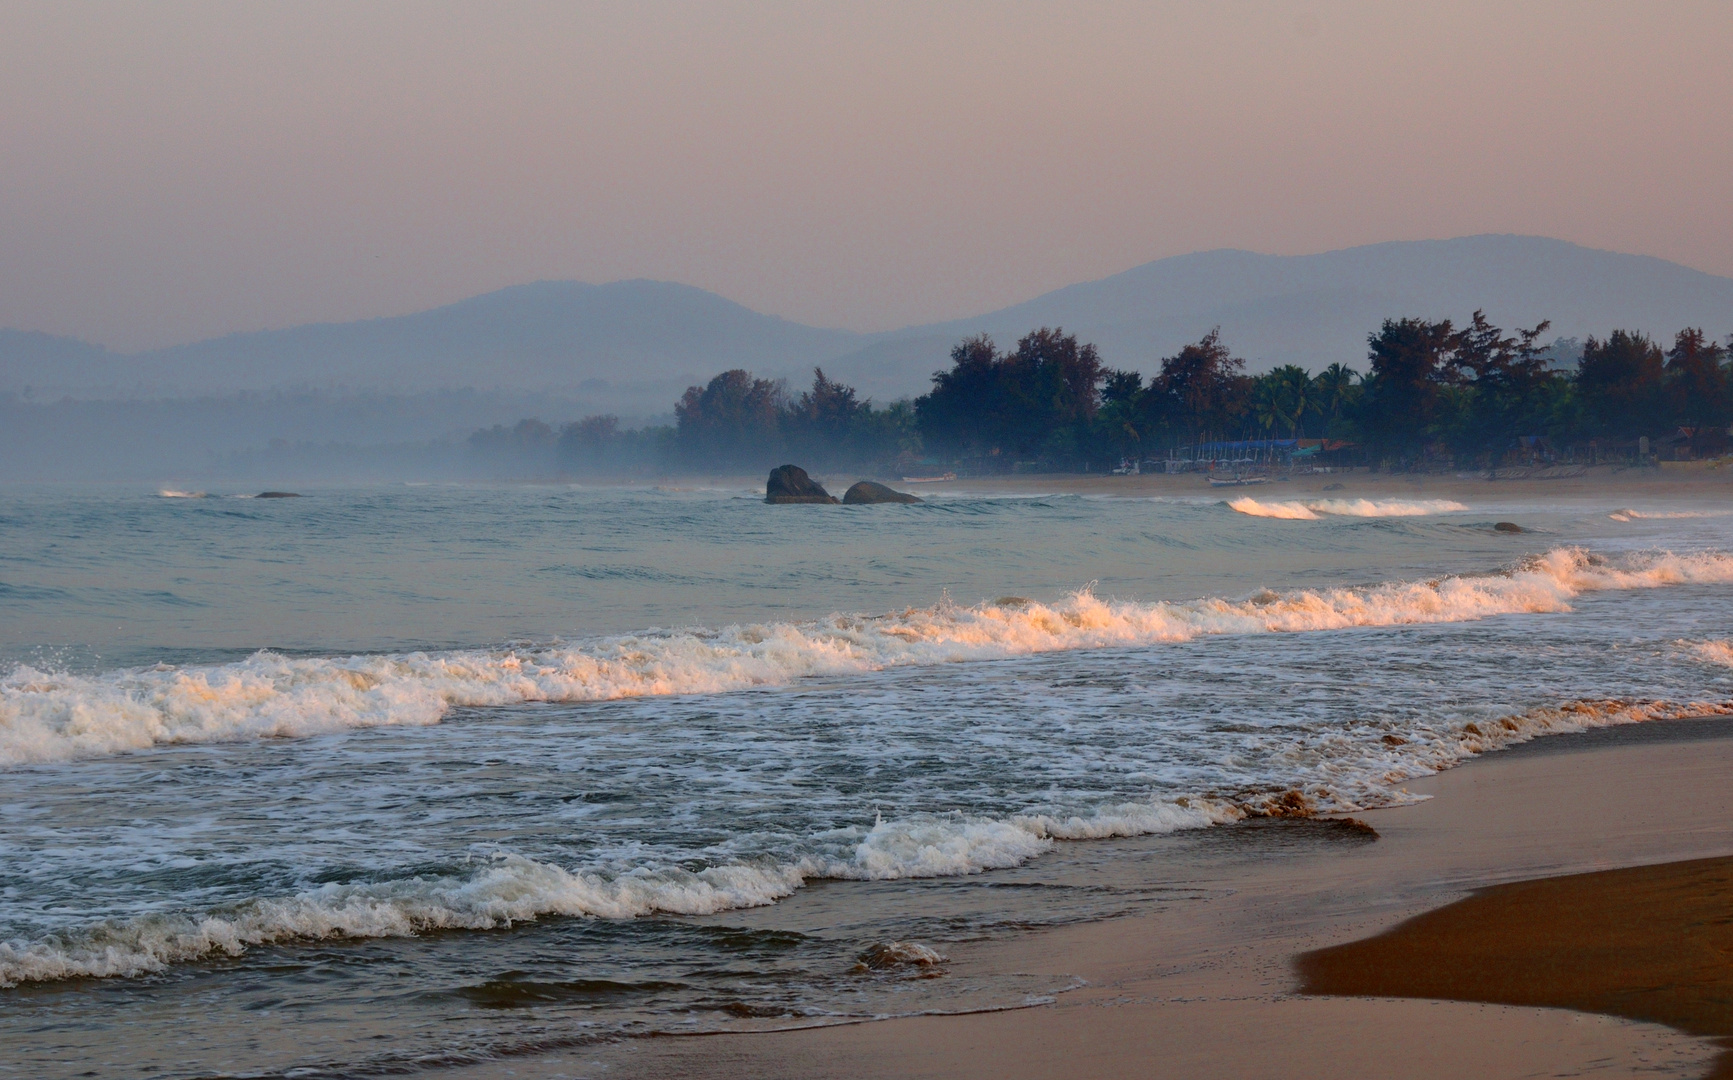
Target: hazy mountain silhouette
point(628, 343)
point(36, 365)
point(1314, 310)
point(632, 346)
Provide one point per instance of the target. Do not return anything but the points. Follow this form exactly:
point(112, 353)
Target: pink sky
point(170, 171)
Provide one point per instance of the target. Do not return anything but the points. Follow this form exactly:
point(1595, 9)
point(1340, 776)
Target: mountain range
point(631, 347)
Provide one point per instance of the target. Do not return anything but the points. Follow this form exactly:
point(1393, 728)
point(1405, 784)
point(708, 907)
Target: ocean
point(383, 780)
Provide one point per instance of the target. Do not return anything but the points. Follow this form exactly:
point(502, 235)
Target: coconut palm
point(1282, 399)
point(1332, 389)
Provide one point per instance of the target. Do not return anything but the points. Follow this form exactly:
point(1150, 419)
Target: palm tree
point(1296, 390)
point(1282, 399)
point(1267, 407)
point(1332, 389)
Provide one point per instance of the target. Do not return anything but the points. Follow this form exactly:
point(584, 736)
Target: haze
point(170, 172)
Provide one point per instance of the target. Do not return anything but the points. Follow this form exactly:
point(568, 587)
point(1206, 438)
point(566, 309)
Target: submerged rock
point(889, 955)
point(790, 484)
point(1509, 526)
point(865, 491)
point(278, 495)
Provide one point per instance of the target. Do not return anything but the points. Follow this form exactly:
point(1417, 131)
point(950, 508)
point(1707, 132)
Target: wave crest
point(47, 717)
point(510, 889)
point(1715, 652)
point(506, 889)
point(1662, 515)
point(1312, 509)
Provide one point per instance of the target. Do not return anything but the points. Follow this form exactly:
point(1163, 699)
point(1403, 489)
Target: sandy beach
point(1210, 988)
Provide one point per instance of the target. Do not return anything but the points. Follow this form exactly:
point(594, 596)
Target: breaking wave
point(1715, 652)
point(509, 889)
point(1312, 509)
point(503, 890)
point(1660, 515)
point(47, 717)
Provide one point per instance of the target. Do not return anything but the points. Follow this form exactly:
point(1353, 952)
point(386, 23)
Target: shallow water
point(521, 766)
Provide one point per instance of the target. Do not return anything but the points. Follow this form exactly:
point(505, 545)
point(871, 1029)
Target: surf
point(57, 716)
point(1313, 509)
point(503, 889)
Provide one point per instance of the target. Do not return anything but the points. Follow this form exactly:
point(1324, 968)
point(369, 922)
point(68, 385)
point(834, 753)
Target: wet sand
point(1649, 943)
point(1209, 988)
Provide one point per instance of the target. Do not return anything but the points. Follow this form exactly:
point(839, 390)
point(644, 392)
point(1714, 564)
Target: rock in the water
point(1509, 526)
point(278, 495)
point(865, 491)
point(790, 484)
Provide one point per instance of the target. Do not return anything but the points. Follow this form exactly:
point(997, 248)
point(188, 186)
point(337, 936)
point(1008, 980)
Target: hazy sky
point(169, 171)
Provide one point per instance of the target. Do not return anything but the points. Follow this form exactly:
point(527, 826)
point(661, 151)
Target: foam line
point(1313, 509)
point(1661, 515)
point(47, 717)
point(1714, 652)
point(498, 892)
point(511, 889)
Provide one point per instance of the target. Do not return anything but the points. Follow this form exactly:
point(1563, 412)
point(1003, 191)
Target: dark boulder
point(790, 484)
point(865, 491)
point(278, 495)
point(1509, 526)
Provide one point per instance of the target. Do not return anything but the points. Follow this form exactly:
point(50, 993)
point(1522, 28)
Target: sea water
point(385, 779)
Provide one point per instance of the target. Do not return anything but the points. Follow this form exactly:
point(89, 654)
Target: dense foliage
point(1432, 392)
point(738, 421)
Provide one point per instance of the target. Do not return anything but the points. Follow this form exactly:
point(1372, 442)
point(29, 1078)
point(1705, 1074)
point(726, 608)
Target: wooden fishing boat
point(1237, 481)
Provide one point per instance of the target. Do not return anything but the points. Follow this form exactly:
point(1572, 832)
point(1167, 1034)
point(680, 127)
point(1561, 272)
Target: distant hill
point(1313, 310)
point(41, 366)
point(631, 347)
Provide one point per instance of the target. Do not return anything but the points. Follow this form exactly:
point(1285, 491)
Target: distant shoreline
point(1681, 479)
point(1670, 480)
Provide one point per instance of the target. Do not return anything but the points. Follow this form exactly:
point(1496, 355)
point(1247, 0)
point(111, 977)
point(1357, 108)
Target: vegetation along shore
point(1433, 396)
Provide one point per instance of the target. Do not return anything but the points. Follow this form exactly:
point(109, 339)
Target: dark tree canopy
point(1409, 361)
point(1619, 384)
point(1201, 390)
point(1037, 399)
point(727, 418)
point(1697, 384)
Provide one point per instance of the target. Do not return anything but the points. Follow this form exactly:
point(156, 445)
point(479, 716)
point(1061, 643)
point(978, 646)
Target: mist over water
point(460, 771)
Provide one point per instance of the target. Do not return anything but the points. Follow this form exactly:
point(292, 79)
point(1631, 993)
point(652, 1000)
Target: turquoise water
point(384, 778)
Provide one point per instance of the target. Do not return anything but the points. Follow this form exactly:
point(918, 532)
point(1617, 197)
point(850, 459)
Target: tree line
point(1473, 394)
point(735, 421)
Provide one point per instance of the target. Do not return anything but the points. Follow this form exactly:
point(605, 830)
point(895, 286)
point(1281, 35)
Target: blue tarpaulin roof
point(1247, 444)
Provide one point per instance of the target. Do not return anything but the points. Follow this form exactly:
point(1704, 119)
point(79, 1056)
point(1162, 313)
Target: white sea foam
point(172, 493)
point(1312, 509)
point(1661, 515)
point(1292, 511)
point(1715, 652)
point(511, 889)
point(900, 954)
point(56, 717)
point(507, 889)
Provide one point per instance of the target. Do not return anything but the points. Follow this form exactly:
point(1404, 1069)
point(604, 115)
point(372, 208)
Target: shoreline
point(1210, 988)
point(1673, 480)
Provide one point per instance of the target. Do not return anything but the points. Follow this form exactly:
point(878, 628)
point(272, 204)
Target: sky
point(172, 171)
